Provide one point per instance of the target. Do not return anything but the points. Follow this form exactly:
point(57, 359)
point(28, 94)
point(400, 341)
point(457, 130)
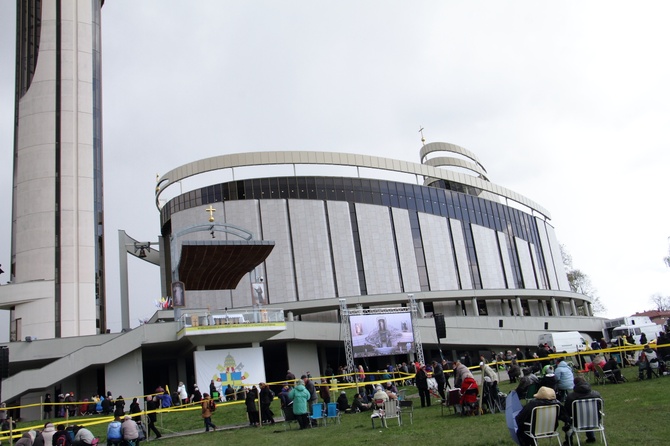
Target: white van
point(564, 341)
point(651, 331)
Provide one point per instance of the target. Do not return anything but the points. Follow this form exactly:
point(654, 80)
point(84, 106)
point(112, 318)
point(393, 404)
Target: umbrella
point(512, 408)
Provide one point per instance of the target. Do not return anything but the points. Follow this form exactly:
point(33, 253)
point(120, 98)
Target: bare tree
point(660, 302)
point(580, 282)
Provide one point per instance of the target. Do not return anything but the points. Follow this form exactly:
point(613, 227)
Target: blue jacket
point(564, 377)
point(114, 431)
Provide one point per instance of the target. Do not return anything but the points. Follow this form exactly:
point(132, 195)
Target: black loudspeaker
point(4, 362)
point(440, 328)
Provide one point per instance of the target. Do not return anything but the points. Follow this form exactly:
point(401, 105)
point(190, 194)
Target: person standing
point(207, 405)
point(441, 380)
point(183, 394)
point(300, 396)
point(519, 354)
point(47, 406)
point(252, 408)
point(266, 396)
point(119, 407)
point(422, 385)
point(135, 408)
point(71, 407)
point(309, 385)
point(196, 397)
point(152, 405)
point(324, 391)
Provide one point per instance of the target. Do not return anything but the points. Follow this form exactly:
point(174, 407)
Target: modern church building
point(265, 265)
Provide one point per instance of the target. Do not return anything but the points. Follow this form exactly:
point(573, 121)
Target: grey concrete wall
point(302, 357)
point(124, 376)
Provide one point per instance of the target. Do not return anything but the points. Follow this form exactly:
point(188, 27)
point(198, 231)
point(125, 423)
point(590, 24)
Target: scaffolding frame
point(345, 329)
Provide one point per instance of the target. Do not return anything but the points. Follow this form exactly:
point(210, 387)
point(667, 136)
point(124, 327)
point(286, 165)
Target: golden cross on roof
point(211, 211)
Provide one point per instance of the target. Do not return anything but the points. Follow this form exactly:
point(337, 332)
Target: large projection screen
point(381, 334)
point(235, 366)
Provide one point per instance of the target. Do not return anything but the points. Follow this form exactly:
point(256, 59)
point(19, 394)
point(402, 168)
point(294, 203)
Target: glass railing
point(228, 318)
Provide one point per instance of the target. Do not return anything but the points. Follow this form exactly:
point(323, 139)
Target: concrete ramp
point(91, 355)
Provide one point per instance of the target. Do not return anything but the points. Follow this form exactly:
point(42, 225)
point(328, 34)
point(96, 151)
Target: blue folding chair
point(332, 412)
point(317, 415)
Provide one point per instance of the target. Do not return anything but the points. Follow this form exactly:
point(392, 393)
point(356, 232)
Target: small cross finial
point(423, 140)
point(211, 211)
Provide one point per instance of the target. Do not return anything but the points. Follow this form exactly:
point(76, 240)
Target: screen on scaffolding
point(381, 334)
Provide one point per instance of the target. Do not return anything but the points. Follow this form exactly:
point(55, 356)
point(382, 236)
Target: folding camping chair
point(407, 408)
point(317, 415)
point(587, 416)
point(392, 410)
point(543, 423)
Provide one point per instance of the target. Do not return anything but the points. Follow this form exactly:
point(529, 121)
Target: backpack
point(61, 440)
point(212, 406)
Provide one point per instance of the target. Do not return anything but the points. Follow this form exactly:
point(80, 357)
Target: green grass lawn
point(635, 413)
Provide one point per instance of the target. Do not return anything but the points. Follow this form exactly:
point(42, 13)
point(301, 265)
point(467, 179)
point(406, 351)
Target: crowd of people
point(554, 377)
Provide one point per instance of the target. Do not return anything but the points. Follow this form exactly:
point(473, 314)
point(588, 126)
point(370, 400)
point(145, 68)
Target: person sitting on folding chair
point(582, 390)
point(544, 397)
point(613, 366)
point(646, 362)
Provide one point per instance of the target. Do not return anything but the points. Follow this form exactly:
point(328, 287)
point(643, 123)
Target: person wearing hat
point(544, 397)
point(130, 430)
point(380, 395)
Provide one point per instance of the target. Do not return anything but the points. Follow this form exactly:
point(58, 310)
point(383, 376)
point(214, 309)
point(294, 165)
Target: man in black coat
point(581, 391)
point(152, 405)
point(440, 379)
point(266, 396)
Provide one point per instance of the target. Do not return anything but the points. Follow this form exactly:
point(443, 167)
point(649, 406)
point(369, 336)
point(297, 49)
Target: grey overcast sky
point(567, 103)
